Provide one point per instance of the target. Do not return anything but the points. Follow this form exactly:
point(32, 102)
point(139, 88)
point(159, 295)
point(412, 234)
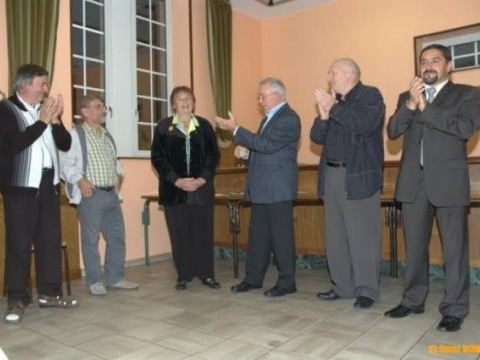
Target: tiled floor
point(157, 322)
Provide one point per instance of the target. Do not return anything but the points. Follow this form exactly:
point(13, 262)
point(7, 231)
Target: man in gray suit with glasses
point(271, 154)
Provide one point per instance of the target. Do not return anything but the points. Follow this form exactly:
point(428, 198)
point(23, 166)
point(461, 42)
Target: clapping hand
point(417, 97)
point(51, 109)
point(325, 100)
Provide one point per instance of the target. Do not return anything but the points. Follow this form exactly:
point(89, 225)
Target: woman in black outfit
point(185, 154)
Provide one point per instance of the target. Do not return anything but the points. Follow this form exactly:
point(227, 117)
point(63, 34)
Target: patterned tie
point(430, 94)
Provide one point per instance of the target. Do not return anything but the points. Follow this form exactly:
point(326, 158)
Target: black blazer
point(445, 126)
point(168, 156)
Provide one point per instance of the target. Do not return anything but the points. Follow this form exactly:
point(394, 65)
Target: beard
point(430, 77)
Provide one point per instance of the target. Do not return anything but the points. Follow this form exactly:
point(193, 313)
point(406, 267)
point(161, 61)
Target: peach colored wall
point(297, 48)
point(247, 39)
point(378, 34)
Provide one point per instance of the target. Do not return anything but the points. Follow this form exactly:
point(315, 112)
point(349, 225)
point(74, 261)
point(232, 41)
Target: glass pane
point(159, 61)
point(143, 107)
point(159, 36)
point(143, 31)
point(94, 45)
point(143, 8)
point(143, 84)
point(143, 57)
point(95, 74)
point(158, 11)
point(77, 71)
point(94, 16)
point(77, 41)
point(464, 49)
point(160, 86)
point(144, 137)
point(160, 110)
point(77, 12)
point(464, 62)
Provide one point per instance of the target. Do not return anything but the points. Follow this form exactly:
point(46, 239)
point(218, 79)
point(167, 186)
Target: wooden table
point(234, 200)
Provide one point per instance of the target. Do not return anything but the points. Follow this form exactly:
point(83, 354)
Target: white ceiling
point(257, 10)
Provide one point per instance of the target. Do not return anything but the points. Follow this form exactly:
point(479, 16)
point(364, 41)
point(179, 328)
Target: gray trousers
point(101, 213)
point(353, 238)
point(453, 225)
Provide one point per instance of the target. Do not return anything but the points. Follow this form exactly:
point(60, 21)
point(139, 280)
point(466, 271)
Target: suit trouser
point(33, 220)
point(352, 238)
point(453, 226)
point(101, 213)
point(271, 229)
point(191, 235)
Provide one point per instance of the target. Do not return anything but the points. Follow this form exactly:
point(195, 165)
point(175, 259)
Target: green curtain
point(32, 34)
point(219, 33)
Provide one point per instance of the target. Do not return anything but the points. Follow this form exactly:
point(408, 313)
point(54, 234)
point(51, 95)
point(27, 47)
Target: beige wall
point(378, 34)
point(297, 48)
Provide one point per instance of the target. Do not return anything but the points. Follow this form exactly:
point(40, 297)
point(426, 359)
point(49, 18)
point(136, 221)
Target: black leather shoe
point(401, 311)
point(243, 287)
point(211, 283)
point(449, 323)
point(328, 295)
point(276, 291)
point(181, 285)
point(363, 302)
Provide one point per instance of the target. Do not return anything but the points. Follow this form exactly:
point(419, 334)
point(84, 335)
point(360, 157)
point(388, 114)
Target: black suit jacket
point(445, 126)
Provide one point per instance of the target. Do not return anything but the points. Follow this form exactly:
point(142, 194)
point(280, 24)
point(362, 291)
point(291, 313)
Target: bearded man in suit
point(436, 118)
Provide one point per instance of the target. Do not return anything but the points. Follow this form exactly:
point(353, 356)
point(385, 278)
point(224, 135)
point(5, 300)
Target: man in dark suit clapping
point(271, 154)
point(436, 118)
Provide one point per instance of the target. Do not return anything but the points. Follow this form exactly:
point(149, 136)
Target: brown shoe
point(14, 313)
point(57, 301)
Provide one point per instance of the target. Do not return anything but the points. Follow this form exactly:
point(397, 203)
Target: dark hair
point(443, 49)
point(87, 99)
point(26, 73)
point(179, 89)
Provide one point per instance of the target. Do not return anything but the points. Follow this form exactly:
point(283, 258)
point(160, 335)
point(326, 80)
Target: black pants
point(271, 230)
point(33, 220)
point(191, 235)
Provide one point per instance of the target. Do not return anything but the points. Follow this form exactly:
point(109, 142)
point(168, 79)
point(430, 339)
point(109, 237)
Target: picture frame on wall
point(464, 44)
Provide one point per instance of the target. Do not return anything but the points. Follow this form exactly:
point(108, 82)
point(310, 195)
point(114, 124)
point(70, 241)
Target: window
point(88, 50)
point(119, 51)
point(151, 67)
point(465, 55)
point(463, 42)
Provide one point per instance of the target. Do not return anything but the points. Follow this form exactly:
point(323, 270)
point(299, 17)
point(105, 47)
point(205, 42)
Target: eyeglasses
point(264, 96)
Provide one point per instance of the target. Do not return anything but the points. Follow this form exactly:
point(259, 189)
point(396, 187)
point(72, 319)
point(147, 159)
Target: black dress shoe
point(449, 323)
point(401, 311)
point(328, 295)
point(363, 302)
point(243, 287)
point(276, 291)
point(211, 283)
point(181, 285)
